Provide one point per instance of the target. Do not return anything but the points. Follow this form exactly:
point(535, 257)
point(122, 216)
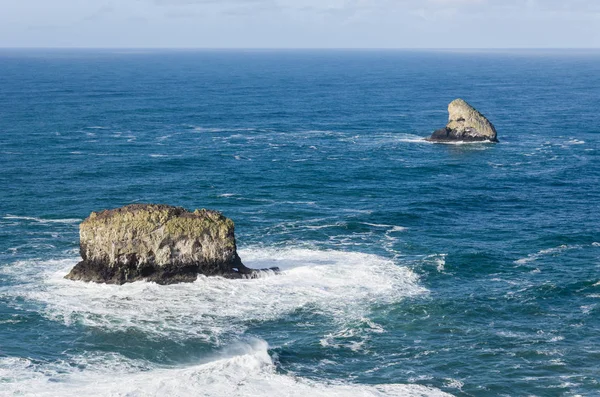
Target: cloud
point(301, 23)
point(457, 2)
point(101, 13)
point(426, 9)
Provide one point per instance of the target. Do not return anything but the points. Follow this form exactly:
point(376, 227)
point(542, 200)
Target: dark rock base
point(170, 274)
point(449, 135)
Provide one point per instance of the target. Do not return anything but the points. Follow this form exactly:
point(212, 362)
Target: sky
point(300, 23)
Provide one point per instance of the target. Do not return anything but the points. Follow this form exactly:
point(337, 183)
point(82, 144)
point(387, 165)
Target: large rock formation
point(465, 124)
point(157, 243)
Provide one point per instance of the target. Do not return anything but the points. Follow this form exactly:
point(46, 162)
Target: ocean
point(408, 268)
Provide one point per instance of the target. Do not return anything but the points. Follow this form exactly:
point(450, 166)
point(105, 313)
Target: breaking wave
point(340, 285)
point(246, 369)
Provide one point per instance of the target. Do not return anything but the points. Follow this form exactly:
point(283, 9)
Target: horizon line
point(304, 48)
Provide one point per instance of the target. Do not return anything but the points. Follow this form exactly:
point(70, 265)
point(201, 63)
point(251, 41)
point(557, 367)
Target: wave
point(481, 145)
point(340, 285)
point(545, 252)
point(40, 220)
point(412, 138)
point(393, 228)
point(249, 371)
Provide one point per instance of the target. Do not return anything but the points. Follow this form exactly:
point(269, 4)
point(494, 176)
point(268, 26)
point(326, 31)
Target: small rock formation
point(465, 124)
point(157, 243)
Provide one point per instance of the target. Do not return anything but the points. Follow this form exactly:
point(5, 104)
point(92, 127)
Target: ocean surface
point(409, 268)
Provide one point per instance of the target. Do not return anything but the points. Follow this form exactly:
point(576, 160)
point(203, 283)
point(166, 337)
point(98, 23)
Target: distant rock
point(157, 243)
point(465, 124)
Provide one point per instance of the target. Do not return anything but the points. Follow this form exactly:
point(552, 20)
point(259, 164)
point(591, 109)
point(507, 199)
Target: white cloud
point(456, 2)
point(300, 23)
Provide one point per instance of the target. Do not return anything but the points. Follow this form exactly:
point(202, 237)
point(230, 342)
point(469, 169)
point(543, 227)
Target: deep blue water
point(468, 269)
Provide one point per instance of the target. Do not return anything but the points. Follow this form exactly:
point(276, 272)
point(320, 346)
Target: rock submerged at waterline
point(465, 124)
point(157, 243)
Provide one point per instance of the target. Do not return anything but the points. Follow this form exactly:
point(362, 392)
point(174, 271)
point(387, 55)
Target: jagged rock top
point(148, 216)
point(465, 123)
point(155, 208)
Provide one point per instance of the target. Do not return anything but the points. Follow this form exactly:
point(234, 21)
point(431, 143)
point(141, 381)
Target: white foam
point(454, 383)
point(411, 138)
point(353, 337)
point(340, 285)
point(319, 227)
point(250, 372)
point(204, 129)
point(440, 262)
point(480, 144)
point(392, 228)
point(40, 220)
point(544, 252)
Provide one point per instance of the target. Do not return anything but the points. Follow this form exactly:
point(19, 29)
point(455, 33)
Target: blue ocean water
point(409, 268)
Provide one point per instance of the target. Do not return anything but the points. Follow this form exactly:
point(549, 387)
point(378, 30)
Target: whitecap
point(340, 285)
point(479, 144)
point(249, 372)
point(352, 337)
point(411, 138)
point(440, 262)
point(204, 129)
point(395, 228)
point(9, 321)
point(454, 383)
point(217, 130)
point(40, 220)
point(319, 227)
point(544, 252)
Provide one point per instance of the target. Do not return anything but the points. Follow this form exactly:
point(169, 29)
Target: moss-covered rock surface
point(157, 243)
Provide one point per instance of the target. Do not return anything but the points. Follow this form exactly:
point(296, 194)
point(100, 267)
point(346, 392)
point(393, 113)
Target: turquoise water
point(409, 268)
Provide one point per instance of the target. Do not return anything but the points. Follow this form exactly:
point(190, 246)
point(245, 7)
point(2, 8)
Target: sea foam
point(40, 220)
point(341, 285)
point(249, 372)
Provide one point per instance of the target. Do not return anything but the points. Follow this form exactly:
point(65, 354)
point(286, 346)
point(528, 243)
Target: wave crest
point(250, 372)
